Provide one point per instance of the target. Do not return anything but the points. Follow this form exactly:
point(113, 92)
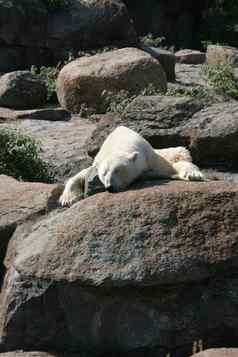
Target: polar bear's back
point(123, 139)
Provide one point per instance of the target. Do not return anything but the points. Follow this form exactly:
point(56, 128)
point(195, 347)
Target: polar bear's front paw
point(67, 198)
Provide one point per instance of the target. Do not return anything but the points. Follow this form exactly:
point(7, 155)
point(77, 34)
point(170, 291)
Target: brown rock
point(80, 226)
point(222, 54)
point(190, 57)
point(153, 266)
point(218, 352)
point(22, 201)
point(86, 80)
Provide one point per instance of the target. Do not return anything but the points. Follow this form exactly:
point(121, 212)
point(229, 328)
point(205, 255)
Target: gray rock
point(190, 56)
point(166, 58)
point(49, 113)
point(63, 143)
point(211, 133)
point(155, 266)
point(22, 90)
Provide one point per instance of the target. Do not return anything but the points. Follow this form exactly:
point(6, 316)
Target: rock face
point(177, 20)
point(190, 57)
point(210, 132)
point(166, 59)
point(29, 34)
point(83, 81)
point(222, 54)
point(110, 273)
point(22, 201)
point(63, 143)
point(218, 352)
point(22, 90)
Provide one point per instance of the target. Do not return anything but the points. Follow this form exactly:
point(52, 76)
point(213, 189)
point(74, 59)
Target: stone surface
point(222, 54)
point(189, 75)
point(22, 201)
point(130, 69)
point(211, 133)
point(218, 352)
point(52, 114)
point(179, 21)
point(166, 58)
point(190, 56)
point(22, 90)
point(111, 272)
point(29, 34)
point(63, 143)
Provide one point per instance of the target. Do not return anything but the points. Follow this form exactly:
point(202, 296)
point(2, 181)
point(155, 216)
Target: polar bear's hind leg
point(187, 171)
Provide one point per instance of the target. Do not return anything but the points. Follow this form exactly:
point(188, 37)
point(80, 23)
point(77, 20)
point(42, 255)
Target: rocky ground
point(149, 271)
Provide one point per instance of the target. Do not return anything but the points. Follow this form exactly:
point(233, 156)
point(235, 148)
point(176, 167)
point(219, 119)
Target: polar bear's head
point(117, 172)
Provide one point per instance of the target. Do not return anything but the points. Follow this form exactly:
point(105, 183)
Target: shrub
point(150, 40)
point(19, 157)
point(49, 75)
point(221, 77)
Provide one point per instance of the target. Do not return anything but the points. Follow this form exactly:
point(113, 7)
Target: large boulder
point(152, 267)
point(222, 54)
point(87, 80)
point(211, 133)
point(20, 202)
point(30, 34)
point(22, 90)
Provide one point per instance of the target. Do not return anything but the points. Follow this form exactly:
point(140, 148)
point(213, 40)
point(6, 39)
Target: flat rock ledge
point(152, 267)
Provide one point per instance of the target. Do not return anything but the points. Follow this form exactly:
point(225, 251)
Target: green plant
point(198, 92)
point(19, 157)
point(50, 74)
point(53, 5)
point(150, 40)
point(116, 103)
point(221, 77)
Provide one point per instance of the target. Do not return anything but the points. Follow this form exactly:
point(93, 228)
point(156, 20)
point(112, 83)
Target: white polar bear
point(125, 156)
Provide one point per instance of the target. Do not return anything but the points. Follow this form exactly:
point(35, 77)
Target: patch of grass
point(150, 40)
point(198, 92)
point(19, 157)
point(221, 77)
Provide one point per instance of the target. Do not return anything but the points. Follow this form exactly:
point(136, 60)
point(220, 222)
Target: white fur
point(126, 156)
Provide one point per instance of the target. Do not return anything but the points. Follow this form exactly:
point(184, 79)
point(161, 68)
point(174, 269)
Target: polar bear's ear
point(133, 156)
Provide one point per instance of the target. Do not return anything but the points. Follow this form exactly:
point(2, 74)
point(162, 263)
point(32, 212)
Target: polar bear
point(126, 156)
